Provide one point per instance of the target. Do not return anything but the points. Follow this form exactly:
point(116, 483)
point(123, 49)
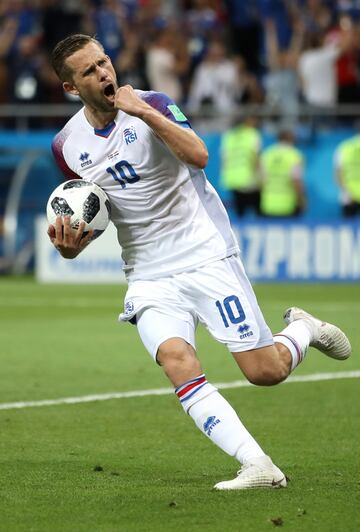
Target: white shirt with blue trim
point(168, 217)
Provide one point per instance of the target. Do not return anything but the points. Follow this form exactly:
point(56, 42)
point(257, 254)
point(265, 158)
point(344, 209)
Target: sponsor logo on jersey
point(244, 331)
point(130, 135)
point(210, 423)
point(129, 307)
point(84, 158)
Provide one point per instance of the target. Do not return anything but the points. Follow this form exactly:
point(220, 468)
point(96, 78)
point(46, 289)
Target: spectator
point(59, 19)
point(202, 22)
point(23, 55)
point(317, 72)
point(62, 18)
point(130, 63)
point(245, 32)
point(347, 164)
point(349, 7)
point(281, 81)
point(281, 12)
point(166, 61)
point(8, 30)
point(153, 16)
point(130, 8)
point(25, 83)
point(282, 191)
point(316, 15)
point(346, 35)
point(250, 90)
point(193, 62)
point(107, 23)
point(240, 148)
point(216, 82)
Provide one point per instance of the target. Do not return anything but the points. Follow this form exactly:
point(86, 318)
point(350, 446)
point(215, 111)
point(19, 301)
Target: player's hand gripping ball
point(81, 200)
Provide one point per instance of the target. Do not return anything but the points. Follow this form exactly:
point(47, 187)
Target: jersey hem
point(137, 276)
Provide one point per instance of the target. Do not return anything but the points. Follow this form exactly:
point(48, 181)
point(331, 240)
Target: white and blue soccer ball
point(82, 201)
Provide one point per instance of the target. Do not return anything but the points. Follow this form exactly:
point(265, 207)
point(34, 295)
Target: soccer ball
point(81, 200)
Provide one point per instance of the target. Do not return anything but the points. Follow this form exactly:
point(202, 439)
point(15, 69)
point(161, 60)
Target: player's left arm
point(183, 142)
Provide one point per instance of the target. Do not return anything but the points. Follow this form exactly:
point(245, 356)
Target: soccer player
point(181, 258)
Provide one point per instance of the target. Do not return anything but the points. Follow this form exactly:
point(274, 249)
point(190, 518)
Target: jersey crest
point(130, 135)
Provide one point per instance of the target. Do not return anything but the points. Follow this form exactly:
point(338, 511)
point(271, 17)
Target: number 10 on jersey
point(124, 173)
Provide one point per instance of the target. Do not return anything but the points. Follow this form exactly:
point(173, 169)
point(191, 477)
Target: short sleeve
point(166, 106)
point(57, 149)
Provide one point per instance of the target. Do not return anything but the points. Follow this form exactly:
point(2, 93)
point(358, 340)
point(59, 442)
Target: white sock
point(214, 416)
point(296, 337)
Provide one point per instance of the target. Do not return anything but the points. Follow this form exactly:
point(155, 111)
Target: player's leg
point(212, 414)
point(226, 304)
point(265, 366)
point(273, 364)
point(269, 365)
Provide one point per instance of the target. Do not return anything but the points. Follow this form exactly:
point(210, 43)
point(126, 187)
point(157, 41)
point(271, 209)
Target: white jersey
point(168, 216)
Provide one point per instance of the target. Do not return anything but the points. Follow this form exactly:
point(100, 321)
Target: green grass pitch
point(140, 464)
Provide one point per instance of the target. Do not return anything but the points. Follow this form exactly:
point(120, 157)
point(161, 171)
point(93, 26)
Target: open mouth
point(109, 90)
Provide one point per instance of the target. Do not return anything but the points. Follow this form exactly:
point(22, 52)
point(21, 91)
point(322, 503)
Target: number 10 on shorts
point(230, 310)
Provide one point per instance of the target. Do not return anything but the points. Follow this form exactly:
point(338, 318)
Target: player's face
point(94, 77)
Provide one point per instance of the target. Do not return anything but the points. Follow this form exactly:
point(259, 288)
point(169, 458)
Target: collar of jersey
point(106, 131)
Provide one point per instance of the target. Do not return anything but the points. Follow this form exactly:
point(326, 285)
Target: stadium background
point(165, 46)
point(108, 452)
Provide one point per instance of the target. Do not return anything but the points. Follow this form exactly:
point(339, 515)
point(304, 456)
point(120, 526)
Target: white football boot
point(326, 337)
point(257, 473)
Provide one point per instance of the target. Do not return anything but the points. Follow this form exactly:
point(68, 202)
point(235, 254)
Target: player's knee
point(178, 360)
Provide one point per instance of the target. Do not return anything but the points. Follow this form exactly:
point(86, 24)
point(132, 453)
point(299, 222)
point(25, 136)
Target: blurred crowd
point(211, 54)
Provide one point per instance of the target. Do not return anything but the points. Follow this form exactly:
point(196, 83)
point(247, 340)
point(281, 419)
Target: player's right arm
point(68, 242)
point(183, 142)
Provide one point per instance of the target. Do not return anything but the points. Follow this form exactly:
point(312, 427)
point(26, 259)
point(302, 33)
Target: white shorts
point(219, 295)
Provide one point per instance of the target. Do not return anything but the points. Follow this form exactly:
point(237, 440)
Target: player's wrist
point(148, 114)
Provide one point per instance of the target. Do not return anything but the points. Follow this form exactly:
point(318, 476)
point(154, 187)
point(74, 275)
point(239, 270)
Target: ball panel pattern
point(81, 200)
point(91, 207)
point(61, 207)
point(76, 183)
